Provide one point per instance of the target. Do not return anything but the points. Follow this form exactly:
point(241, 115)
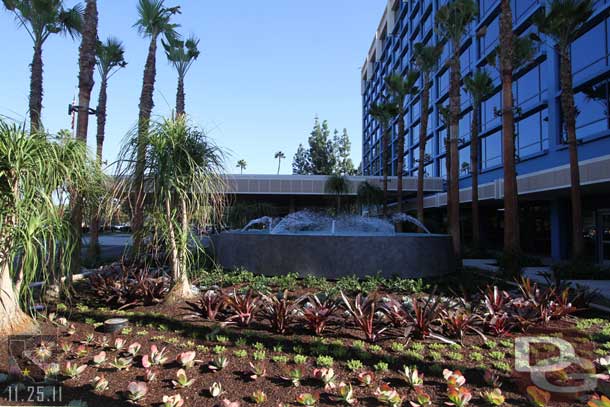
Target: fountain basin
point(333, 256)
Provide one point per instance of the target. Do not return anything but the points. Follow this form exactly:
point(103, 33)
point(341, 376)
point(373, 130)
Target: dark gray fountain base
point(334, 256)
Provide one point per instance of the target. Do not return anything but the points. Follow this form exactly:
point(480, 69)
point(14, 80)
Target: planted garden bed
point(247, 344)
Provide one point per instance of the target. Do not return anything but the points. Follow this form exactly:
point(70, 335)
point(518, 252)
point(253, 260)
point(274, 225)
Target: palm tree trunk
point(13, 321)
point(85, 85)
point(567, 101)
point(448, 174)
point(385, 162)
point(454, 181)
point(401, 157)
point(180, 104)
point(36, 88)
point(146, 106)
point(423, 132)
point(511, 203)
point(94, 247)
point(181, 288)
point(279, 162)
point(474, 169)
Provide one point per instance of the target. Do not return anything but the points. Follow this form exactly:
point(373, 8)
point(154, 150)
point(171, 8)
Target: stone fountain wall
point(334, 256)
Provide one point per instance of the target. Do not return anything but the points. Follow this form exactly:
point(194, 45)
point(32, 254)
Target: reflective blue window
point(491, 150)
point(592, 103)
point(532, 134)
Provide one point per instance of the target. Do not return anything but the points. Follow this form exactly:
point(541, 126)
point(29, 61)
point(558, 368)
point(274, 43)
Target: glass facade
point(539, 129)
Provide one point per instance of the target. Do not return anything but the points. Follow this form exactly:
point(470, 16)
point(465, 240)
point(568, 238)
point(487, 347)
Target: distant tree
point(181, 54)
point(109, 59)
point(321, 149)
point(479, 86)
point(279, 156)
point(370, 195)
point(300, 161)
point(426, 60)
point(41, 19)
point(399, 88)
point(241, 164)
point(383, 113)
point(343, 147)
point(338, 185)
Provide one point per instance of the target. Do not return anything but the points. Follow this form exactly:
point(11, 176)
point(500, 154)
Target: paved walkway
point(535, 274)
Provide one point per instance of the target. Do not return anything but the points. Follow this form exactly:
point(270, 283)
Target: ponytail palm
point(35, 234)
point(154, 21)
point(41, 19)
point(452, 23)
point(426, 60)
point(562, 24)
point(479, 86)
point(184, 186)
point(181, 54)
point(399, 87)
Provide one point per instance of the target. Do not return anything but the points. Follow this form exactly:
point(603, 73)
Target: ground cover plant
point(277, 340)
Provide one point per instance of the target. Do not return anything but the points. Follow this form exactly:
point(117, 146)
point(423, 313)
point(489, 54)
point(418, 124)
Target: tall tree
point(563, 23)
point(479, 86)
point(445, 118)
point(426, 60)
point(154, 21)
point(300, 161)
point(110, 57)
point(339, 185)
point(399, 88)
point(453, 20)
point(343, 147)
point(384, 113)
point(41, 19)
point(508, 60)
point(321, 149)
point(241, 164)
point(181, 54)
point(86, 62)
point(279, 156)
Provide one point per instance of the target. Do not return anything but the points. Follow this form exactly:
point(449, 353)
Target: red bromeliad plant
point(426, 317)
point(243, 306)
point(209, 305)
point(396, 312)
point(363, 312)
point(279, 310)
point(457, 323)
point(496, 301)
point(317, 310)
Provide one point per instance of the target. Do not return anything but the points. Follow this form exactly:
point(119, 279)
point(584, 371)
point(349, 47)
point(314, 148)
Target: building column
point(560, 232)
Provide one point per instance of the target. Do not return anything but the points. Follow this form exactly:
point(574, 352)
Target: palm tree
point(338, 185)
point(452, 22)
point(562, 25)
point(241, 164)
point(399, 87)
point(384, 113)
point(180, 159)
point(34, 174)
point(86, 62)
point(279, 156)
point(513, 53)
point(154, 21)
point(479, 86)
point(426, 59)
point(110, 58)
point(181, 54)
point(445, 118)
point(370, 195)
point(41, 19)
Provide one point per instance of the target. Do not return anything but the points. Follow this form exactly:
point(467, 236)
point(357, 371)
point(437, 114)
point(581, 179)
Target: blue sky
point(266, 69)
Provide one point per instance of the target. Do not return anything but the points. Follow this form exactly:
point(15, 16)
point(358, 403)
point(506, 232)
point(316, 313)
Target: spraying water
point(314, 222)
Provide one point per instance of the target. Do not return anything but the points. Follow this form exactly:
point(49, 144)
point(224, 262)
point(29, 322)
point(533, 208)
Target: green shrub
point(476, 356)
point(240, 353)
point(300, 359)
point(354, 365)
point(324, 361)
point(280, 359)
point(381, 366)
point(259, 355)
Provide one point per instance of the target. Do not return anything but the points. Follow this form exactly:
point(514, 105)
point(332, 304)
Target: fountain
point(313, 243)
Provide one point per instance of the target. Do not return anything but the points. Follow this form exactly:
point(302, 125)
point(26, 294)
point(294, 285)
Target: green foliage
point(397, 347)
point(181, 54)
point(280, 359)
point(354, 365)
point(325, 361)
point(240, 353)
point(497, 355)
point(454, 356)
point(300, 359)
point(315, 282)
point(259, 355)
point(435, 356)
point(381, 366)
point(502, 366)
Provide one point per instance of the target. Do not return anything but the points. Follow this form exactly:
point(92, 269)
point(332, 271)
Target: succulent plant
point(66, 347)
point(136, 391)
point(458, 396)
point(134, 348)
point(307, 399)
point(100, 384)
point(422, 399)
point(538, 397)
point(119, 344)
point(81, 351)
point(366, 378)
point(327, 376)
point(121, 363)
point(99, 358)
point(157, 357)
point(412, 377)
point(229, 403)
point(493, 397)
point(454, 379)
point(294, 376)
point(182, 380)
point(345, 394)
point(186, 359)
point(218, 363)
point(43, 351)
point(173, 401)
point(257, 370)
point(215, 389)
point(259, 397)
point(73, 370)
